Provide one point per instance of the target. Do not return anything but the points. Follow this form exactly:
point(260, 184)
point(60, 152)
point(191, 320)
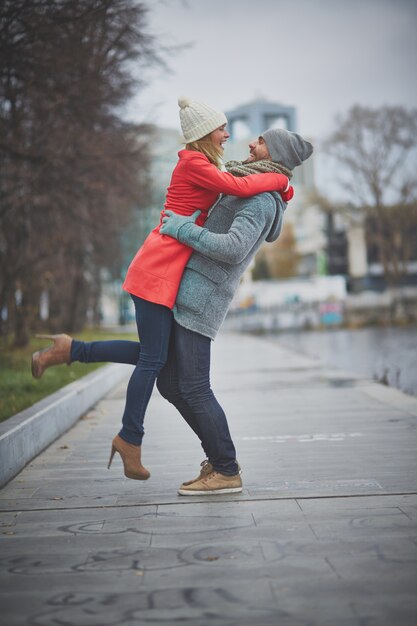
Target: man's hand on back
point(172, 222)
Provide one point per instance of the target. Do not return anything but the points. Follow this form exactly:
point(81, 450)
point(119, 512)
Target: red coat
point(156, 270)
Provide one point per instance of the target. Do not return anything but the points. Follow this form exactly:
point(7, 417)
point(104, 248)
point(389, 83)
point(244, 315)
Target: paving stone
point(368, 604)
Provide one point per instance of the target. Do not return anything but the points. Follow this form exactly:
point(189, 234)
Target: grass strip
point(19, 390)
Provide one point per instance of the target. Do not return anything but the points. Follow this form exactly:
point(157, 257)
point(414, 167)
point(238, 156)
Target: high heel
point(112, 453)
point(57, 354)
point(130, 455)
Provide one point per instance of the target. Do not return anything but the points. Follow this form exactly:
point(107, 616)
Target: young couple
point(181, 297)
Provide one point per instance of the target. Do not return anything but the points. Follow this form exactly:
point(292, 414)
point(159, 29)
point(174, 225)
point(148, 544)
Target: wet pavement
point(324, 533)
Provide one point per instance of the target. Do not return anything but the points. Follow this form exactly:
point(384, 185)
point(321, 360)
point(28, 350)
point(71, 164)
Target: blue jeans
point(184, 381)
point(154, 323)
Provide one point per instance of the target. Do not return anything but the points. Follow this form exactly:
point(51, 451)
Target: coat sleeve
point(206, 175)
point(233, 246)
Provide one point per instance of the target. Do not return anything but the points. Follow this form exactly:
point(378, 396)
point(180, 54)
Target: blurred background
point(90, 133)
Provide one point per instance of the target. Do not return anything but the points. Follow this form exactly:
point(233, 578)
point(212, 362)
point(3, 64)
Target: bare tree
point(376, 151)
point(71, 169)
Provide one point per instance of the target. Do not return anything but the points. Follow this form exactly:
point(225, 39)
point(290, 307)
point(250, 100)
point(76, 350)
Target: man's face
point(258, 151)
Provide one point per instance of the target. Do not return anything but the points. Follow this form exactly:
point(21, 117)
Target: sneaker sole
point(211, 492)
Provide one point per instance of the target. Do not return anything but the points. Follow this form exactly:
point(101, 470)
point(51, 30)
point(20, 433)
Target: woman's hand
point(172, 222)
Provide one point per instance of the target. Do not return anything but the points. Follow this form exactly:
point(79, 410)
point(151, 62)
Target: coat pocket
point(199, 282)
point(207, 268)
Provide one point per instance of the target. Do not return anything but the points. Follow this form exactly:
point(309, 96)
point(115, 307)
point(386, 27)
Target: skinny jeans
point(154, 323)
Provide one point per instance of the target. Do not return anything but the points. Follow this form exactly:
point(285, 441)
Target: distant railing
point(286, 316)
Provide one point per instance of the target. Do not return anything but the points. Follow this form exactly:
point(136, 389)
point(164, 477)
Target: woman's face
point(219, 136)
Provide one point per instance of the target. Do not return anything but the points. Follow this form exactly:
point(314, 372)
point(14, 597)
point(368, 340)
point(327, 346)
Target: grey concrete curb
point(26, 434)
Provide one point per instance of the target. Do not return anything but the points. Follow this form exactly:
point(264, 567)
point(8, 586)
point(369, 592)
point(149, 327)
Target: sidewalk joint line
point(212, 500)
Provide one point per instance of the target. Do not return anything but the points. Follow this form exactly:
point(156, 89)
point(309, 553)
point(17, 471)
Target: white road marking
point(308, 438)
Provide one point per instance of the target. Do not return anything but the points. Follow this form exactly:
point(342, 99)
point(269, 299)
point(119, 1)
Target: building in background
point(336, 276)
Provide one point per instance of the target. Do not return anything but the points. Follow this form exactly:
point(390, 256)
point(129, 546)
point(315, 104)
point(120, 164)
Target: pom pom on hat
point(184, 102)
point(198, 119)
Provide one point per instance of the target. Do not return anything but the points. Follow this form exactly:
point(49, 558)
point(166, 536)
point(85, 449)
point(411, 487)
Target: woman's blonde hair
point(207, 147)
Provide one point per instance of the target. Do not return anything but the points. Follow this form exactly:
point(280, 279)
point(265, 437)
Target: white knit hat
point(198, 119)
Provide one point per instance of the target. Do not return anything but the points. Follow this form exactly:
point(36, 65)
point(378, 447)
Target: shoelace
point(210, 476)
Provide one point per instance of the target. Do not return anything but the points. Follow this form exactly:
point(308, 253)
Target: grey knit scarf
point(240, 168)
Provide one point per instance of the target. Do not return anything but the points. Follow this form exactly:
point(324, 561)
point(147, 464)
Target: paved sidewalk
point(324, 533)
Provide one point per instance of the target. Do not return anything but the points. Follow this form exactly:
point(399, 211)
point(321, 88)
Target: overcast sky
point(320, 56)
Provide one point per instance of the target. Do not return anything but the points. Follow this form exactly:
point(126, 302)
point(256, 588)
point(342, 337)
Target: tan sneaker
point(206, 469)
point(212, 484)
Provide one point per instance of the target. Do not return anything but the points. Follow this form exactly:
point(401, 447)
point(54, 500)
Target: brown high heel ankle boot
point(131, 459)
point(58, 353)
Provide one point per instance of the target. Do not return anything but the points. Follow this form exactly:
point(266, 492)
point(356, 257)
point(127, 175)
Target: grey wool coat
point(224, 247)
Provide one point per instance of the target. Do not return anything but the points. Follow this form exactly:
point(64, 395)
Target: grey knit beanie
point(287, 148)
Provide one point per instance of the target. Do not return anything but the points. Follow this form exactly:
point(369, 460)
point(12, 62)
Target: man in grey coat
point(224, 247)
